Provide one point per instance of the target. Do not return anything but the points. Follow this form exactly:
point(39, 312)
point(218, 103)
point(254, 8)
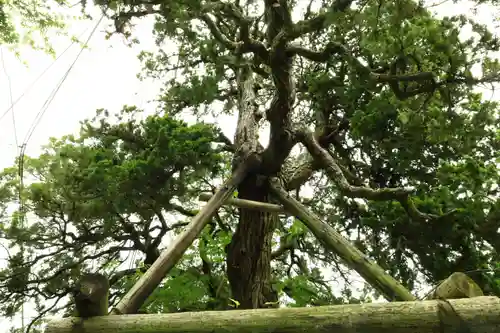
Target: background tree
point(29, 21)
point(358, 96)
point(101, 195)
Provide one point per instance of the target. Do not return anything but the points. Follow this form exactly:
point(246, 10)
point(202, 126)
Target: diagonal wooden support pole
point(136, 296)
point(335, 242)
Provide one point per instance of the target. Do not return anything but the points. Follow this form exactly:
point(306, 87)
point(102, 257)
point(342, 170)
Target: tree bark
point(249, 253)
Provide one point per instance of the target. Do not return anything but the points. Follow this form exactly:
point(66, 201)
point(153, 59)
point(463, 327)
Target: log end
point(457, 285)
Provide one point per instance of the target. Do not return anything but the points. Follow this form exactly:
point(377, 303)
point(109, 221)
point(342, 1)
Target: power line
point(9, 81)
point(44, 108)
point(31, 130)
point(40, 76)
point(52, 95)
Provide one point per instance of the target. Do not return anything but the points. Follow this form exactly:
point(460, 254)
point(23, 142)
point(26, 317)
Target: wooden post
point(477, 315)
point(335, 242)
point(136, 296)
point(91, 295)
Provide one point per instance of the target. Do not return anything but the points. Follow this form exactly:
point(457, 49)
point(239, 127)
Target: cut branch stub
point(136, 296)
point(90, 295)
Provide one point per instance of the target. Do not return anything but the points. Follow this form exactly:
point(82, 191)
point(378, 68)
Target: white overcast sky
point(103, 77)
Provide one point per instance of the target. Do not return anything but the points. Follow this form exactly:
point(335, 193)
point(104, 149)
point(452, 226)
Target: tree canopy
point(29, 21)
point(370, 105)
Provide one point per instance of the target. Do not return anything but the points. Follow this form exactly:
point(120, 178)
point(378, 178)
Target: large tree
point(371, 104)
point(380, 93)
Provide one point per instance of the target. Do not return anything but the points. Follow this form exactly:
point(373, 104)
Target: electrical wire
point(9, 82)
point(41, 75)
point(44, 108)
point(35, 123)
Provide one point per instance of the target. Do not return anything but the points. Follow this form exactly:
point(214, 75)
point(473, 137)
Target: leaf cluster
point(89, 199)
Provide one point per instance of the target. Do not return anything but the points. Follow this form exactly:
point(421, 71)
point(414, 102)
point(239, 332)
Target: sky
point(103, 77)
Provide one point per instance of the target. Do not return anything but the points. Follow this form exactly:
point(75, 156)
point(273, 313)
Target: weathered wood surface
point(249, 204)
point(457, 285)
point(479, 314)
point(335, 242)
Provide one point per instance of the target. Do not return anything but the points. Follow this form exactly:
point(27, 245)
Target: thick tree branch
point(426, 81)
point(489, 228)
point(285, 246)
point(335, 173)
point(296, 176)
point(300, 170)
point(218, 35)
point(246, 136)
point(279, 20)
point(319, 21)
point(297, 172)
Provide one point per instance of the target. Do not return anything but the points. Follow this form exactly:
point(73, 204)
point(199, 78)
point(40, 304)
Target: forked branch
point(335, 173)
point(318, 22)
point(245, 44)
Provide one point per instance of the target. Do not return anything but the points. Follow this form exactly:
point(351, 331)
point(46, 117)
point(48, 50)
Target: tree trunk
point(249, 253)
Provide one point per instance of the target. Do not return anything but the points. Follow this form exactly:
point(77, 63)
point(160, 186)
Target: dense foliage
point(383, 88)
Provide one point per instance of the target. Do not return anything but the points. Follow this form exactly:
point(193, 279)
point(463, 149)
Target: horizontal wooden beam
point(479, 315)
point(249, 204)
